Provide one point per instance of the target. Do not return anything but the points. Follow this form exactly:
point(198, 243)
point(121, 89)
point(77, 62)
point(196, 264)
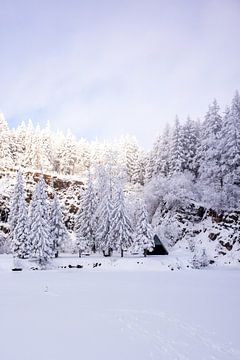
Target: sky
point(104, 68)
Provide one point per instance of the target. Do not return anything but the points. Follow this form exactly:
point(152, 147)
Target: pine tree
point(103, 215)
point(177, 157)
point(150, 165)
point(84, 225)
point(121, 226)
point(47, 151)
point(67, 154)
point(143, 236)
point(18, 194)
point(6, 156)
point(40, 236)
point(20, 143)
point(230, 143)
point(161, 154)
point(130, 153)
point(21, 246)
point(58, 230)
point(33, 154)
point(210, 171)
point(191, 143)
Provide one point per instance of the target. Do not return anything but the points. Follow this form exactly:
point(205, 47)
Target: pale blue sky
point(105, 68)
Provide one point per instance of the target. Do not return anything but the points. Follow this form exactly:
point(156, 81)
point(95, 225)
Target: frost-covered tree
point(47, 150)
point(20, 143)
point(121, 231)
point(130, 154)
point(58, 230)
point(210, 171)
point(40, 235)
point(6, 156)
point(150, 165)
point(67, 154)
point(143, 235)
point(85, 220)
point(32, 158)
point(191, 143)
point(16, 199)
point(103, 216)
point(177, 154)
point(20, 245)
point(230, 143)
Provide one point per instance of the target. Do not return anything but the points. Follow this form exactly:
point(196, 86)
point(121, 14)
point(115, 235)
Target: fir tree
point(230, 143)
point(40, 235)
point(16, 200)
point(121, 226)
point(177, 158)
point(143, 236)
point(191, 144)
point(210, 171)
point(21, 232)
point(58, 230)
point(103, 216)
point(6, 156)
point(84, 226)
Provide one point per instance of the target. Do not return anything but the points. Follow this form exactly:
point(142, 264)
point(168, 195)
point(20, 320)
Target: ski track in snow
point(143, 325)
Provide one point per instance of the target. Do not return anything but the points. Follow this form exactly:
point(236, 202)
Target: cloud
point(103, 70)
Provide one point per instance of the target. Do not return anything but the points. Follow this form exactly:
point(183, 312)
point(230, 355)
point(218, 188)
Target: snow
point(124, 309)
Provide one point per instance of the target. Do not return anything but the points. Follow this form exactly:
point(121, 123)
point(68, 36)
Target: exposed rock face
point(68, 190)
point(196, 226)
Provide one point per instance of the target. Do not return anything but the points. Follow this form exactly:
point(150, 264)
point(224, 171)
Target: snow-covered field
point(119, 311)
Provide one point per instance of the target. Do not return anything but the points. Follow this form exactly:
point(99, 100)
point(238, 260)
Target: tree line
point(103, 223)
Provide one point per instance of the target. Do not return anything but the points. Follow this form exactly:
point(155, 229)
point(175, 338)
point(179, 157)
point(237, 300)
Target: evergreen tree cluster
point(36, 231)
point(208, 150)
point(33, 148)
point(104, 221)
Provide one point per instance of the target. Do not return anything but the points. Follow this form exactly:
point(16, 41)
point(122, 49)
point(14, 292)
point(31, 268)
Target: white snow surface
point(124, 309)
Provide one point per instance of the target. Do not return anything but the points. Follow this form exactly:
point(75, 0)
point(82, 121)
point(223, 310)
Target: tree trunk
point(80, 253)
point(145, 252)
point(121, 252)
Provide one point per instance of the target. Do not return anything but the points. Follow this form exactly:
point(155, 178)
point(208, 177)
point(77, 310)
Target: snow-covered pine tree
point(40, 235)
point(230, 143)
point(103, 215)
point(177, 155)
point(47, 150)
point(82, 156)
point(150, 164)
point(156, 154)
point(67, 154)
point(21, 246)
point(191, 143)
point(121, 231)
point(210, 171)
point(130, 151)
point(18, 194)
point(58, 230)
point(84, 223)
point(141, 167)
point(161, 154)
point(20, 143)
point(143, 235)
point(6, 156)
point(32, 157)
